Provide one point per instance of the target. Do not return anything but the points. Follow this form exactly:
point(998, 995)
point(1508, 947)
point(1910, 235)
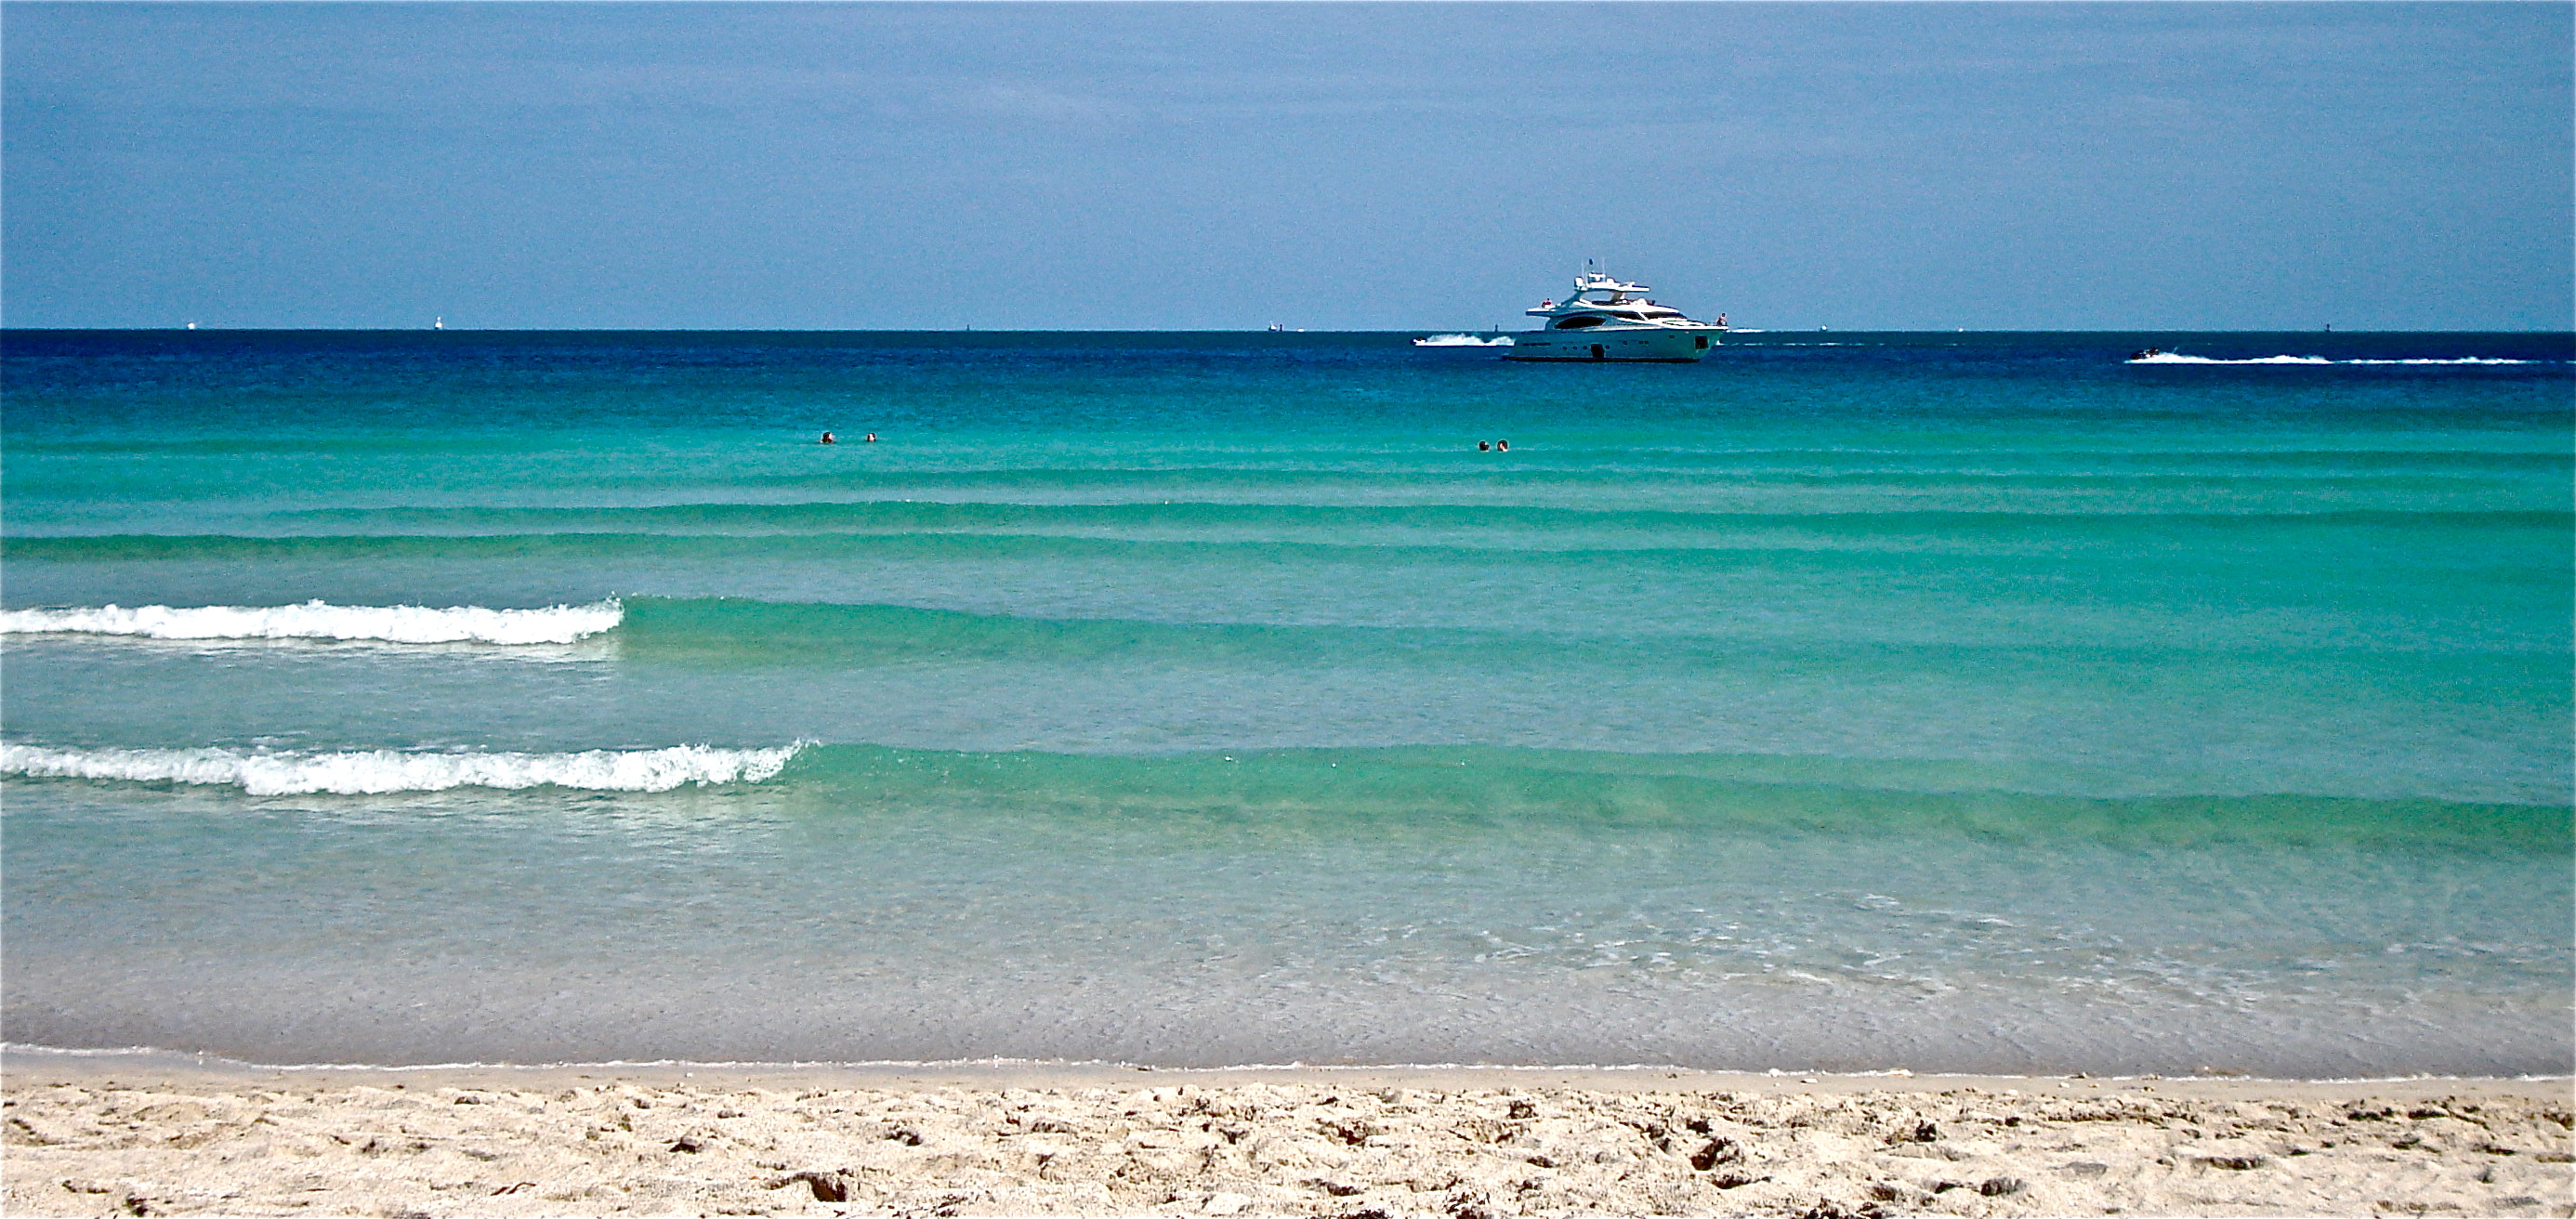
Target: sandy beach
point(152, 1134)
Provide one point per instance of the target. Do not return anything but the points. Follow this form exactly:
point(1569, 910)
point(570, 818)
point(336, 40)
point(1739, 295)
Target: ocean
point(1945, 702)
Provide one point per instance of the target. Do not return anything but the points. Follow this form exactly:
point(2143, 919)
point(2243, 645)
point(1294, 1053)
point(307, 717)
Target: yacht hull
point(1616, 344)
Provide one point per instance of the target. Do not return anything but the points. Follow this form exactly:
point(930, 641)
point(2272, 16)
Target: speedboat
point(1607, 319)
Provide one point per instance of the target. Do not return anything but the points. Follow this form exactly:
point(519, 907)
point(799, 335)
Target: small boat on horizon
point(1610, 320)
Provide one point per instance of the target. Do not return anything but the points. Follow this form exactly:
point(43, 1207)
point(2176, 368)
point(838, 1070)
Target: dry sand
point(158, 1135)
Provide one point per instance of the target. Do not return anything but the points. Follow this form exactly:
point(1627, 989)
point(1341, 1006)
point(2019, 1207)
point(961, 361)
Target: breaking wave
point(380, 771)
point(317, 620)
point(2167, 357)
point(1462, 340)
point(1354, 794)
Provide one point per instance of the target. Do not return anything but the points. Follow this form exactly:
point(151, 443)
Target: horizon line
point(5, 329)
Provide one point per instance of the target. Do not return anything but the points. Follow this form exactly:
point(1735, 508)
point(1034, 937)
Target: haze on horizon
point(1323, 166)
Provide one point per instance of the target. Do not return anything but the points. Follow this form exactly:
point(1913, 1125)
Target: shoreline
point(123, 1132)
point(71, 1065)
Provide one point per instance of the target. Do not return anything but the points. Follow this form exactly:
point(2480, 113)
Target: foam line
point(317, 620)
point(379, 771)
point(2167, 357)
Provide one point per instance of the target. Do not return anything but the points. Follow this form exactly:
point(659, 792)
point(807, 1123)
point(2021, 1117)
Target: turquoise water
point(1965, 702)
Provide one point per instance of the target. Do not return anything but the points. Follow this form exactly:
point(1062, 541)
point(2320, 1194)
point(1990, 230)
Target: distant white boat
point(1463, 340)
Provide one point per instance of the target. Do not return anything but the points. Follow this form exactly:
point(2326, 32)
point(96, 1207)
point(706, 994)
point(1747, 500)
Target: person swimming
point(829, 439)
point(1502, 446)
point(872, 438)
point(1484, 446)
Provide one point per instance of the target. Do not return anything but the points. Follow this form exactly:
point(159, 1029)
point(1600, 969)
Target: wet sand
point(161, 1134)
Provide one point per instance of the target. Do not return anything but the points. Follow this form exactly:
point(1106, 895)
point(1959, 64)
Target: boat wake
point(1462, 340)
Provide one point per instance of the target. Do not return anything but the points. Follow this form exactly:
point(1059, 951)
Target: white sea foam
point(1462, 340)
point(2167, 357)
point(317, 620)
point(378, 771)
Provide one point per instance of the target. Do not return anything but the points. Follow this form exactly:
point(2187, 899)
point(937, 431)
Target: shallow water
point(1956, 702)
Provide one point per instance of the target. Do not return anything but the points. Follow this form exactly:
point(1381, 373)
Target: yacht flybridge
point(1606, 319)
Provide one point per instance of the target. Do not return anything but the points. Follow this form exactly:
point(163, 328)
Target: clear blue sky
point(2089, 166)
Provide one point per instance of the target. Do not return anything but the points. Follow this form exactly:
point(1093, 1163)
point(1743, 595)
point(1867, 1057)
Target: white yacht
point(1606, 319)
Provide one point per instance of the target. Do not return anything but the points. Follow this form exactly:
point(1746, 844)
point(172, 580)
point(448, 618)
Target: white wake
point(2167, 357)
point(379, 771)
point(316, 620)
point(1462, 340)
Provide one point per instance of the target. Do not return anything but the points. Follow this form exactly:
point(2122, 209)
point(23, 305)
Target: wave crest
point(381, 771)
point(318, 620)
point(2167, 357)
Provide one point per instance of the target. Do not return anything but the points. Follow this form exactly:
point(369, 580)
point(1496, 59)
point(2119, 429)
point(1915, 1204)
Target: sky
point(2103, 166)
